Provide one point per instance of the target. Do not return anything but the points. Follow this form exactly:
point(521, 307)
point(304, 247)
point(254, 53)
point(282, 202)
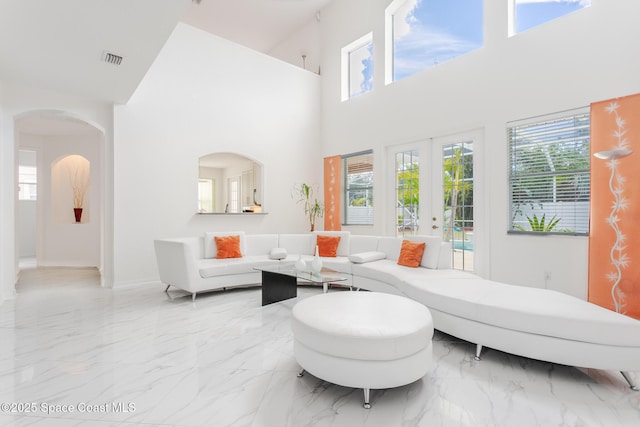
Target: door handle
point(435, 227)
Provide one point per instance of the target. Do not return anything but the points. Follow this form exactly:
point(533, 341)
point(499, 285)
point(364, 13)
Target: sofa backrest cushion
point(298, 244)
point(260, 244)
point(343, 246)
point(431, 254)
point(361, 243)
point(210, 248)
point(390, 246)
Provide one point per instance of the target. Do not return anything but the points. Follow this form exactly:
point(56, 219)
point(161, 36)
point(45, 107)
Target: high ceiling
point(60, 44)
point(258, 24)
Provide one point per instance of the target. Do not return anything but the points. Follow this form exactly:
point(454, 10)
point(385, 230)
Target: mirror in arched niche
point(70, 189)
point(229, 183)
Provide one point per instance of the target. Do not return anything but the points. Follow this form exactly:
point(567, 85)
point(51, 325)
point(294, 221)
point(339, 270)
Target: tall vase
point(316, 264)
point(300, 264)
point(77, 212)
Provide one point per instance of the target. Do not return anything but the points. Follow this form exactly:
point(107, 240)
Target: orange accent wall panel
point(614, 255)
point(332, 205)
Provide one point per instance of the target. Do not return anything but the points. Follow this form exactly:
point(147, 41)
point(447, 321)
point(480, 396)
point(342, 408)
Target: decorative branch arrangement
point(78, 173)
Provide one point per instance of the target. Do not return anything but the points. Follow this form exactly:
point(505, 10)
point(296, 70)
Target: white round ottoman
point(367, 340)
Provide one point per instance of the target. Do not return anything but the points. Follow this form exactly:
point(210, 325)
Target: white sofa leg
point(478, 351)
point(632, 384)
point(167, 288)
point(193, 297)
point(300, 374)
point(366, 405)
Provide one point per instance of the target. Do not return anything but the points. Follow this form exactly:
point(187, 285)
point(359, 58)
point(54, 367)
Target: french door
point(433, 192)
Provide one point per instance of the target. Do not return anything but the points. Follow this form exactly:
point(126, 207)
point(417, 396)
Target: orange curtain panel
point(332, 205)
point(614, 254)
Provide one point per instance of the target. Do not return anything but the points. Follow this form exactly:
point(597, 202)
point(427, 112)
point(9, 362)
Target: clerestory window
point(423, 33)
point(357, 67)
point(526, 14)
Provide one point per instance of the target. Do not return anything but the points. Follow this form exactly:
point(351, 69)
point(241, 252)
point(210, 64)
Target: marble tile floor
point(139, 357)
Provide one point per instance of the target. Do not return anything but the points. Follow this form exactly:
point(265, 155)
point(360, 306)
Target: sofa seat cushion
point(532, 310)
point(339, 263)
point(384, 270)
point(398, 276)
point(229, 266)
point(292, 258)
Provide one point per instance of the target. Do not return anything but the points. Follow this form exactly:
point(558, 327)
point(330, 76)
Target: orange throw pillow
point(228, 247)
point(327, 245)
point(411, 253)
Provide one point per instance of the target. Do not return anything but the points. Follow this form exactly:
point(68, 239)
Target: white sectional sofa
point(536, 323)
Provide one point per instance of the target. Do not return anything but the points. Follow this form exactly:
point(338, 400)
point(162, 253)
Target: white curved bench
point(536, 323)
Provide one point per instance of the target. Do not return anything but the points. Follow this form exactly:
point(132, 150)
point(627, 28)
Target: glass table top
point(326, 275)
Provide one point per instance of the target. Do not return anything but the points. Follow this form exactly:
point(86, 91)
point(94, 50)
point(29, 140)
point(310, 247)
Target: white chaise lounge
point(536, 323)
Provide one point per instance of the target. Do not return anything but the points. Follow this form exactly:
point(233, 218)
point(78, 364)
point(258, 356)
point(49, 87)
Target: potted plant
point(313, 208)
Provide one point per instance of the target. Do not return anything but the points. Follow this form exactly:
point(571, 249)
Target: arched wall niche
point(70, 189)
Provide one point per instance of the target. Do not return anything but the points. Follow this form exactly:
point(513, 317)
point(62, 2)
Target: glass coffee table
point(280, 282)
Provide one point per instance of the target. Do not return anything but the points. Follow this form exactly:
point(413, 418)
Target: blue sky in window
point(361, 70)
point(530, 13)
point(429, 32)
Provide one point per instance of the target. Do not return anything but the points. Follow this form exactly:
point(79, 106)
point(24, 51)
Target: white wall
point(568, 63)
point(15, 101)
point(27, 228)
point(305, 41)
point(202, 95)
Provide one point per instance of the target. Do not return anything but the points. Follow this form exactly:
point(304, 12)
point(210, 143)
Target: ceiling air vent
point(112, 58)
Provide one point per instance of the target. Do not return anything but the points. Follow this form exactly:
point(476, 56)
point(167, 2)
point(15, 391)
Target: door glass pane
point(407, 192)
point(457, 166)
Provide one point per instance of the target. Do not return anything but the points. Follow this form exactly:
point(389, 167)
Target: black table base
point(278, 287)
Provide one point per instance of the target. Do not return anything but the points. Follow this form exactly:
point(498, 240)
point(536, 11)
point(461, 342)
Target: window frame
point(390, 42)
point(344, 217)
point(346, 51)
point(409, 184)
point(512, 18)
point(511, 177)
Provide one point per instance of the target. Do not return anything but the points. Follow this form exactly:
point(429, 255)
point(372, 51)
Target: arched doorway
point(55, 137)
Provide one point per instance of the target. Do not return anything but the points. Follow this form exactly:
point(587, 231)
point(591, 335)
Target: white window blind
point(549, 175)
point(358, 188)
